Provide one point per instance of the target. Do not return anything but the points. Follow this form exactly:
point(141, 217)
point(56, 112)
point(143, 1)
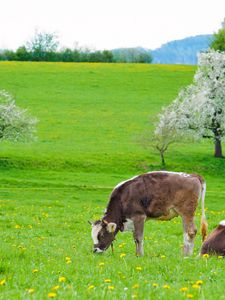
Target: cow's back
point(155, 193)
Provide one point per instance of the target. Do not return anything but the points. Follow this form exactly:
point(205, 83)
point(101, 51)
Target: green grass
point(90, 118)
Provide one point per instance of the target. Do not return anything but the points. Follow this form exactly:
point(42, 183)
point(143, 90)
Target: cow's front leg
point(138, 234)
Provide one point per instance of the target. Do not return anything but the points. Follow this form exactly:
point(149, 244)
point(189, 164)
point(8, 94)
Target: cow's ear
point(111, 227)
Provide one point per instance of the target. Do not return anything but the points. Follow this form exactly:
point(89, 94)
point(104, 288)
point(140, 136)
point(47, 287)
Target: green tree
point(22, 54)
point(43, 45)
point(218, 42)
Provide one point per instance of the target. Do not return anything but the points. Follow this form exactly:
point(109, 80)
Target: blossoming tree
point(15, 123)
point(199, 109)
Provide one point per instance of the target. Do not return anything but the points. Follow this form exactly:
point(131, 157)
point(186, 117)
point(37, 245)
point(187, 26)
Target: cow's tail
point(204, 224)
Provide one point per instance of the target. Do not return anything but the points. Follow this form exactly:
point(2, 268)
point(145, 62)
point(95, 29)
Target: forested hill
point(181, 51)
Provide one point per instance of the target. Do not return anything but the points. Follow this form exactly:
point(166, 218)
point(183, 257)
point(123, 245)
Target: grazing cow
point(157, 195)
point(215, 242)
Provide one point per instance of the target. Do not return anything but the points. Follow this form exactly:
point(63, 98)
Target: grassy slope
point(90, 117)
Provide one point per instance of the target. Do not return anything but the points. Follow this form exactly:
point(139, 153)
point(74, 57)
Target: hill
point(181, 51)
point(90, 118)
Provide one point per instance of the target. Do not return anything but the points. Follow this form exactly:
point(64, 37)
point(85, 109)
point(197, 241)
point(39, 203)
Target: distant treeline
point(132, 55)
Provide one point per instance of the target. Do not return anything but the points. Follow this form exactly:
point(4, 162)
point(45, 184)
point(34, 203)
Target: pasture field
point(90, 118)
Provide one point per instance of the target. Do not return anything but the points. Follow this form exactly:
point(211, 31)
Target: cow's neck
point(114, 213)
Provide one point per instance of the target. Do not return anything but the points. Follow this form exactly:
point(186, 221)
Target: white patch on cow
point(98, 250)
point(94, 232)
point(188, 245)
point(171, 172)
point(222, 223)
point(128, 225)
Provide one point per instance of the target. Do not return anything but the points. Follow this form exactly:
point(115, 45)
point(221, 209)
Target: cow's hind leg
point(189, 234)
point(138, 234)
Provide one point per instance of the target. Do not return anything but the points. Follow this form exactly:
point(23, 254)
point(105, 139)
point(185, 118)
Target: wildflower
point(52, 295)
point(107, 280)
point(55, 288)
point(68, 260)
point(101, 264)
point(155, 285)
point(195, 286)
point(35, 271)
point(30, 291)
point(91, 287)
point(166, 286)
point(111, 287)
point(30, 226)
point(220, 256)
point(122, 255)
point(163, 256)
point(189, 296)
point(17, 226)
point(199, 282)
point(135, 286)
point(138, 268)
point(206, 255)
point(183, 289)
point(2, 281)
point(62, 279)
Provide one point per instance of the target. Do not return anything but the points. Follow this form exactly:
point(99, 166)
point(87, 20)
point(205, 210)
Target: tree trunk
point(218, 148)
point(162, 158)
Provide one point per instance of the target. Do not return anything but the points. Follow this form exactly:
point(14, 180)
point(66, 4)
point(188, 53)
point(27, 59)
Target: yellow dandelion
point(138, 268)
point(101, 264)
point(163, 256)
point(55, 288)
point(183, 289)
point(122, 245)
point(195, 286)
point(2, 281)
point(111, 287)
point(199, 282)
point(62, 279)
point(17, 226)
point(122, 255)
point(190, 296)
point(220, 256)
point(35, 271)
point(135, 286)
point(30, 291)
point(91, 287)
point(52, 295)
point(155, 285)
point(206, 255)
point(68, 260)
point(30, 226)
point(107, 280)
point(166, 286)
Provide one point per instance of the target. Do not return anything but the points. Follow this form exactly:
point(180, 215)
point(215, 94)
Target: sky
point(108, 24)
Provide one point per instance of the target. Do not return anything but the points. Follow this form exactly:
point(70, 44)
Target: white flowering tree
point(15, 123)
point(199, 109)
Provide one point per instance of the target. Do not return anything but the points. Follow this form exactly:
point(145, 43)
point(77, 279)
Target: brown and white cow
point(215, 242)
point(155, 195)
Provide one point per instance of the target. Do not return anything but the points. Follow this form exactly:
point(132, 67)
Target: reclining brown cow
point(215, 242)
point(155, 195)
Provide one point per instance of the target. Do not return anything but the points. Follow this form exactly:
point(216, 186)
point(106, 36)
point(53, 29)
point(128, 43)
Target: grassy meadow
point(91, 117)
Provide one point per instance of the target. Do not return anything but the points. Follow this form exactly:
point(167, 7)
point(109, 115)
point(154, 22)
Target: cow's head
point(103, 234)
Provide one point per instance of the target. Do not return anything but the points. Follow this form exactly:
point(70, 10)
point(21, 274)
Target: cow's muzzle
point(97, 250)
